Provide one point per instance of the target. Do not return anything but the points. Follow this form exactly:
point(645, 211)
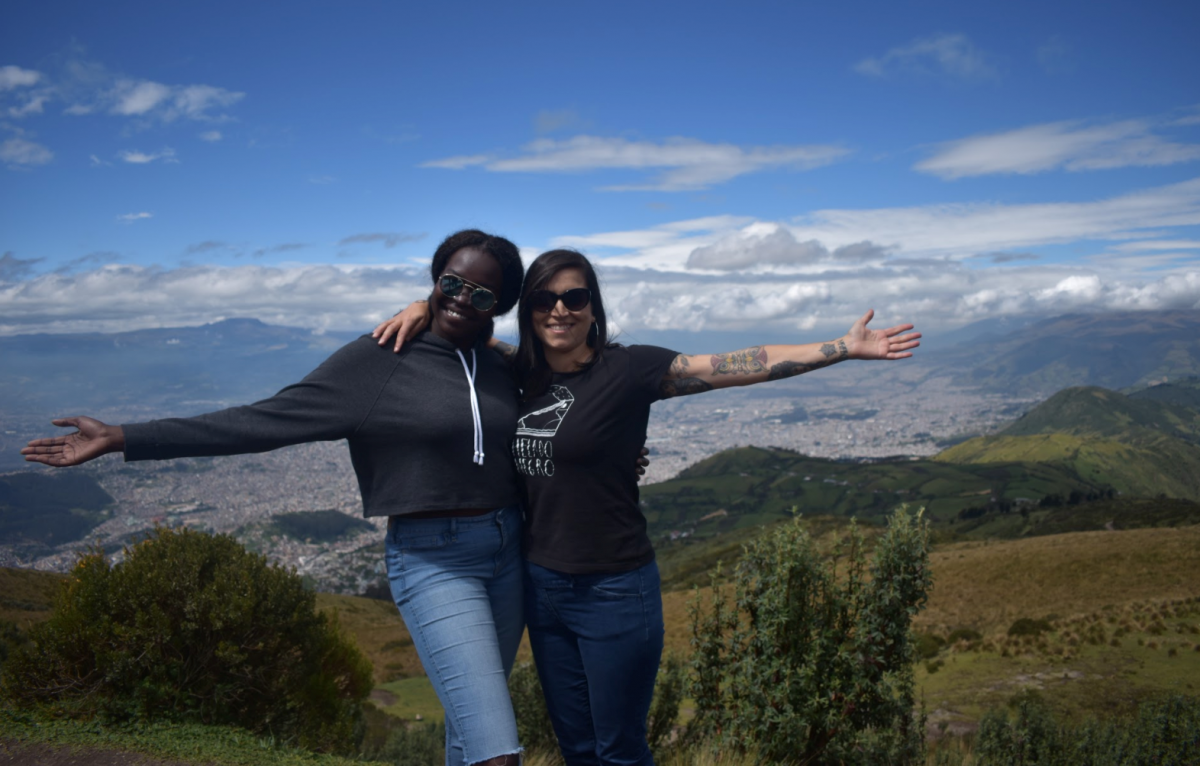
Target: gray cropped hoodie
point(419, 440)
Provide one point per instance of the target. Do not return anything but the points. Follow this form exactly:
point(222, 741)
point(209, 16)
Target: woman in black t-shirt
point(592, 599)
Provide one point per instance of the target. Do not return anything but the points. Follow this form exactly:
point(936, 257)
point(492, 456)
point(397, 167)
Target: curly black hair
point(505, 253)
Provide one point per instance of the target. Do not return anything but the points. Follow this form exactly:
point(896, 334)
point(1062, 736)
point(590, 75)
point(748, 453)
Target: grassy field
point(1122, 612)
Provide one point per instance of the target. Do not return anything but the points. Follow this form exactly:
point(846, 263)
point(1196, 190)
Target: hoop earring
point(593, 334)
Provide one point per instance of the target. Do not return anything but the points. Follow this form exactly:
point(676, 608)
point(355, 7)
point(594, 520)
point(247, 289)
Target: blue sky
point(760, 167)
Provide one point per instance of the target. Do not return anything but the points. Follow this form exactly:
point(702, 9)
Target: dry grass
point(988, 585)
point(26, 595)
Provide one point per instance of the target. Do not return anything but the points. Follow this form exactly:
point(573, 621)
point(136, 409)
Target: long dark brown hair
point(531, 359)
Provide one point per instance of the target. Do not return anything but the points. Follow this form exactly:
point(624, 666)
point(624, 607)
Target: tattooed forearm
point(792, 369)
point(506, 350)
point(744, 362)
point(684, 387)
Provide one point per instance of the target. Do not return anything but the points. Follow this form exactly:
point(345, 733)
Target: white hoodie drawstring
point(470, 372)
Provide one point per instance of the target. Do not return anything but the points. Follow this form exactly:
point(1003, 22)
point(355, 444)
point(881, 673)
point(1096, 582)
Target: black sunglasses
point(574, 299)
point(481, 297)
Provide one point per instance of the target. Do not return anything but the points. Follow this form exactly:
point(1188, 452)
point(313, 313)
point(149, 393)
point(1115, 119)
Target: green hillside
point(1182, 392)
point(750, 486)
point(1140, 447)
point(1092, 411)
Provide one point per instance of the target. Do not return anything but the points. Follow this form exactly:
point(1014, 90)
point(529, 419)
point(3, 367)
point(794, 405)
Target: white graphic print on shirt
point(533, 455)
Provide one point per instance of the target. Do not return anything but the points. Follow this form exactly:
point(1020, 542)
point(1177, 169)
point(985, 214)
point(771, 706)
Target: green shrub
point(927, 645)
point(534, 730)
point(418, 745)
point(664, 708)
point(1027, 626)
point(191, 627)
point(813, 663)
point(1163, 732)
point(963, 634)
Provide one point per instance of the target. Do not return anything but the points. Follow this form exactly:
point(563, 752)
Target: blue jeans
point(457, 583)
point(597, 640)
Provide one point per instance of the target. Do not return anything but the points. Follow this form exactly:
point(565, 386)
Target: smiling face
point(454, 318)
point(564, 333)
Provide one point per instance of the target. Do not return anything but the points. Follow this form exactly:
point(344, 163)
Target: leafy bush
point(193, 628)
point(1026, 626)
point(813, 663)
point(1163, 732)
point(926, 646)
point(418, 745)
point(963, 634)
point(664, 708)
point(534, 730)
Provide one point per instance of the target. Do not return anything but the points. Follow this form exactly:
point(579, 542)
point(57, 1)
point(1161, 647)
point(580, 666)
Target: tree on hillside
point(192, 627)
point(813, 661)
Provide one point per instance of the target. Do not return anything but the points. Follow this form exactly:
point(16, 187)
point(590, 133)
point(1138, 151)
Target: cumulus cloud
point(13, 77)
point(19, 152)
point(131, 217)
point(135, 157)
point(686, 164)
point(389, 239)
point(773, 245)
point(1067, 145)
point(84, 87)
point(101, 300)
point(951, 55)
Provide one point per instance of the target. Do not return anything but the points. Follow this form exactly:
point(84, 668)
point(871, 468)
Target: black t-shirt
point(575, 450)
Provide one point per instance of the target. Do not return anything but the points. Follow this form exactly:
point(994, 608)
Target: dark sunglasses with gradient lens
point(481, 297)
point(574, 299)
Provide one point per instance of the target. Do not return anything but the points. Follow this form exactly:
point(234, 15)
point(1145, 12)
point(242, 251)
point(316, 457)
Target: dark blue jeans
point(597, 640)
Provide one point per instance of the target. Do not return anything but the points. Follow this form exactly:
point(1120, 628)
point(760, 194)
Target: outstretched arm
point(697, 373)
point(90, 441)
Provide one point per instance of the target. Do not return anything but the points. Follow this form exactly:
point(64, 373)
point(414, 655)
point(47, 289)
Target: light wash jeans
point(597, 640)
point(457, 583)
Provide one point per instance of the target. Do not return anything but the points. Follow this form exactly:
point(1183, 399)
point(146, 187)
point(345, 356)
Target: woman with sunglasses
point(592, 601)
point(430, 433)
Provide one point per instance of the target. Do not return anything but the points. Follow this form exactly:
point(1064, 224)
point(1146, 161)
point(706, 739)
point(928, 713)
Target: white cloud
point(939, 231)
point(688, 164)
point(771, 245)
point(103, 299)
point(12, 77)
point(952, 55)
point(19, 152)
point(212, 136)
point(141, 158)
point(1067, 145)
point(136, 98)
point(131, 217)
point(33, 105)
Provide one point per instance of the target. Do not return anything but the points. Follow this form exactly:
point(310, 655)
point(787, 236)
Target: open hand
point(92, 440)
point(865, 343)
